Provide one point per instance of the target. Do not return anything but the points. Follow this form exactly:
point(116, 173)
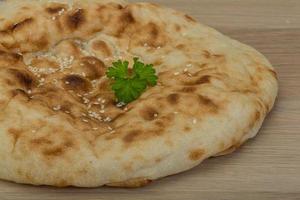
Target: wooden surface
point(267, 167)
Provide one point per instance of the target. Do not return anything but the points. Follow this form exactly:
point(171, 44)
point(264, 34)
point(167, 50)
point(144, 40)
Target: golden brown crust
point(196, 154)
point(132, 183)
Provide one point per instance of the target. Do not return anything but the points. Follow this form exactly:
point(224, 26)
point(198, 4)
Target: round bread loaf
point(60, 124)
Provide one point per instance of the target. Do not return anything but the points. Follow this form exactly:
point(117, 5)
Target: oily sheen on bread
point(60, 124)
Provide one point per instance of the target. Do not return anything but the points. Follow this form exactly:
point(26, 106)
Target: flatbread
point(59, 122)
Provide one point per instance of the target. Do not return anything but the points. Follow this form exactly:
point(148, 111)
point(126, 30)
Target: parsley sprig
point(130, 86)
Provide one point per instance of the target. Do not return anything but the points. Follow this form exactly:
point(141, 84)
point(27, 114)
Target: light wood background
point(267, 167)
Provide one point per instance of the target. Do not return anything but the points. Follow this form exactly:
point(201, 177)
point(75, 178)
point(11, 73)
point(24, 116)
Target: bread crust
point(59, 122)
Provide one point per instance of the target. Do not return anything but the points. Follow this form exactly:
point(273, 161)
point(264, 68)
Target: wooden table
point(267, 167)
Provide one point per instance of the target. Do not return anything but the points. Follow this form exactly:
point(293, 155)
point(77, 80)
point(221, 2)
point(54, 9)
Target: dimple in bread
point(60, 124)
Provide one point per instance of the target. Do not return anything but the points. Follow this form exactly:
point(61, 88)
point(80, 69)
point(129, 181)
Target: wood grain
point(267, 167)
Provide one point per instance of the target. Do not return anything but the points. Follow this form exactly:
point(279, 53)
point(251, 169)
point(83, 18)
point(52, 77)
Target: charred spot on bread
point(19, 25)
point(76, 19)
point(173, 98)
point(23, 78)
point(196, 154)
point(131, 135)
point(54, 9)
point(149, 113)
point(94, 67)
point(189, 18)
point(76, 83)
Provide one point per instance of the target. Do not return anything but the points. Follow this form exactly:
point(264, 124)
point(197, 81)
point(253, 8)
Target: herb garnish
point(130, 86)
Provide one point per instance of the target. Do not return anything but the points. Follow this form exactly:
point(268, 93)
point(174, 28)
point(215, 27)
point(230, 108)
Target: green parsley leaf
point(145, 72)
point(119, 70)
point(129, 87)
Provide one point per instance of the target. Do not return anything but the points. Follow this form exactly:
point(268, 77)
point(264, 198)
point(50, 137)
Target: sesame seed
point(107, 119)
point(64, 62)
point(155, 115)
point(102, 111)
point(102, 107)
point(29, 91)
point(85, 100)
point(85, 120)
point(95, 128)
point(189, 65)
point(175, 112)
point(103, 101)
point(121, 104)
point(61, 11)
point(53, 18)
point(194, 121)
point(94, 115)
point(33, 131)
point(125, 109)
point(57, 108)
point(67, 82)
point(110, 128)
point(189, 74)
point(113, 131)
point(176, 73)
point(185, 70)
